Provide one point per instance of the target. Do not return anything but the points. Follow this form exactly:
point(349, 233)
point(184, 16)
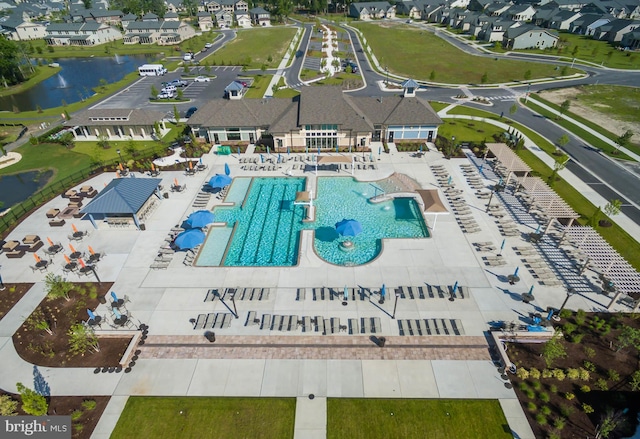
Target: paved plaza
point(435, 347)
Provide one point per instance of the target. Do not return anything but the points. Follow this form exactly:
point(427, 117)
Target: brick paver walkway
point(316, 348)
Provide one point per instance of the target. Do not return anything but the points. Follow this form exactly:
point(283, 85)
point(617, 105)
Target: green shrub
point(587, 408)
point(569, 396)
point(541, 419)
point(544, 397)
point(534, 373)
point(76, 414)
point(585, 389)
point(589, 352)
point(613, 375)
point(585, 375)
point(635, 380)
point(601, 384)
point(529, 393)
point(566, 410)
point(577, 338)
point(568, 328)
point(553, 388)
point(523, 386)
point(89, 404)
point(559, 374)
point(565, 313)
point(588, 365)
point(545, 410)
point(522, 373)
point(531, 407)
point(78, 427)
point(559, 423)
point(546, 373)
point(573, 374)
point(606, 329)
point(581, 317)
point(537, 385)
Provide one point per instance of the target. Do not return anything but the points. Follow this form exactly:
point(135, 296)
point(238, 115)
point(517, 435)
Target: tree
point(8, 406)
point(82, 339)
point(564, 106)
point(37, 320)
point(154, 91)
point(57, 287)
point(575, 51)
point(629, 336)
point(10, 62)
point(609, 422)
point(67, 140)
point(103, 84)
point(553, 349)
point(32, 402)
point(563, 140)
point(103, 141)
point(564, 70)
point(191, 6)
point(624, 140)
point(176, 114)
point(513, 109)
point(559, 164)
point(180, 94)
point(612, 208)
point(593, 220)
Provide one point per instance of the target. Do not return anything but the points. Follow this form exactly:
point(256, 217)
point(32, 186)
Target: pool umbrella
point(349, 227)
point(238, 150)
point(72, 248)
point(82, 264)
point(219, 181)
point(36, 257)
point(50, 241)
point(200, 161)
point(199, 219)
point(421, 147)
point(92, 316)
point(346, 293)
point(190, 164)
point(74, 228)
point(227, 171)
point(268, 153)
point(116, 313)
point(261, 158)
point(114, 296)
point(189, 239)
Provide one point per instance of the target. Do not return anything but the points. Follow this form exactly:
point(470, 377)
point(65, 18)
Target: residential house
point(528, 36)
point(522, 12)
point(494, 30)
point(159, 32)
point(205, 21)
point(563, 19)
point(117, 124)
point(615, 29)
point(372, 10)
point(112, 17)
point(587, 24)
point(233, 5)
point(126, 19)
point(430, 11)
point(543, 14)
point(320, 118)
point(173, 6)
point(80, 34)
point(171, 16)
point(242, 18)
point(150, 17)
point(631, 40)
point(224, 19)
point(573, 5)
point(412, 9)
point(17, 29)
point(234, 91)
point(260, 17)
point(497, 9)
point(212, 7)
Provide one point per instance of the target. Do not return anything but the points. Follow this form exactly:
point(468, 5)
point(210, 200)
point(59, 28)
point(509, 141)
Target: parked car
point(165, 95)
point(178, 83)
point(244, 84)
point(187, 56)
point(190, 112)
point(208, 46)
point(202, 79)
point(169, 89)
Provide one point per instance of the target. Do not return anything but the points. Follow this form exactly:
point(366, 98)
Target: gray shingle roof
point(123, 196)
point(133, 117)
point(396, 110)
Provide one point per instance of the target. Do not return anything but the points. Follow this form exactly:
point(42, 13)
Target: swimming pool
point(263, 228)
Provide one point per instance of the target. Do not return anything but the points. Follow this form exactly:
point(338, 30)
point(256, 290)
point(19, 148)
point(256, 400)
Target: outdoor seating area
point(459, 205)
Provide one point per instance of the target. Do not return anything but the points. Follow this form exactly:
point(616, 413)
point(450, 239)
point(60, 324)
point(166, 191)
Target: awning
point(431, 201)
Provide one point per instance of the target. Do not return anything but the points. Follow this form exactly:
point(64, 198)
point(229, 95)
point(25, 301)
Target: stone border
point(133, 344)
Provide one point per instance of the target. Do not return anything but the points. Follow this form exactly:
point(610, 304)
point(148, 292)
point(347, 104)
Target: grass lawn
point(254, 47)
point(415, 418)
point(264, 418)
point(423, 52)
point(42, 73)
point(468, 130)
point(259, 86)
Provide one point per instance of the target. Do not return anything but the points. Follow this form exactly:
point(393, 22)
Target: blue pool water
point(268, 224)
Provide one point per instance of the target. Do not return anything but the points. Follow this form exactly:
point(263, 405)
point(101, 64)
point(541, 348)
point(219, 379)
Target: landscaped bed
point(203, 417)
point(415, 418)
point(11, 295)
point(598, 378)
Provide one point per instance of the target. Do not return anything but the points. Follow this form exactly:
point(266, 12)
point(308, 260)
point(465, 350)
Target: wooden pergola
point(509, 162)
point(542, 197)
point(606, 260)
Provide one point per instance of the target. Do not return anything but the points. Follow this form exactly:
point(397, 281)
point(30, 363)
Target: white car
point(187, 57)
point(169, 89)
point(165, 95)
point(208, 45)
point(202, 79)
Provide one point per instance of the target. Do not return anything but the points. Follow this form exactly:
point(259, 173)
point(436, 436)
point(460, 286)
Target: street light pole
point(395, 305)
point(386, 69)
point(119, 155)
point(570, 292)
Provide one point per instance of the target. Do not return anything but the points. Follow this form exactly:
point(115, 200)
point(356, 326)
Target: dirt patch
point(42, 339)
point(12, 295)
point(85, 411)
point(600, 118)
point(562, 400)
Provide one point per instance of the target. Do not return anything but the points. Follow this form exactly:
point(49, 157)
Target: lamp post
point(395, 305)
point(119, 155)
point(570, 292)
point(386, 70)
point(496, 188)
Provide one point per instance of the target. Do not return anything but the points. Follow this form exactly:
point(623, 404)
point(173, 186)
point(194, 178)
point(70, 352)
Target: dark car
point(190, 112)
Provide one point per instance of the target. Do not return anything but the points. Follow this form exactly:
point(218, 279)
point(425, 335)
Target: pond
point(16, 188)
point(74, 82)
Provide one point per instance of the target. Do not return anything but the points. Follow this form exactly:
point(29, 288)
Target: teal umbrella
point(189, 239)
point(199, 219)
point(219, 181)
point(349, 227)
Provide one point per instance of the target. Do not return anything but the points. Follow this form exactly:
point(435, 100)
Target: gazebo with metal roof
point(615, 272)
point(123, 198)
point(509, 161)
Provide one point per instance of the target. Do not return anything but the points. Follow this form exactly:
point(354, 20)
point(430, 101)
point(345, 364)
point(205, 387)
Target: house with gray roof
point(205, 21)
point(171, 16)
point(372, 10)
point(126, 19)
point(320, 117)
point(124, 198)
point(260, 17)
point(587, 24)
point(117, 124)
point(410, 8)
point(224, 19)
point(562, 19)
point(528, 36)
point(80, 34)
point(521, 12)
point(17, 29)
point(631, 40)
point(615, 29)
point(242, 19)
point(161, 32)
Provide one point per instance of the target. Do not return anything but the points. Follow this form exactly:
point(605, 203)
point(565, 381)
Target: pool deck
point(248, 361)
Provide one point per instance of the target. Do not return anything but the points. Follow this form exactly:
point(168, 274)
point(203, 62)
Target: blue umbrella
point(383, 291)
point(113, 294)
point(371, 157)
point(421, 147)
point(219, 181)
point(449, 180)
point(268, 150)
point(455, 288)
point(515, 273)
point(116, 313)
point(227, 171)
point(318, 150)
point(346, 293)
point(531, 290)
point(200, 161)
point(189, 239)
point(337, 148)
point(538, 229)
point(279, 158)
point(238, 150)
point(288, 151)
point(502, 245)
point(199, 219)
point(92, 316)
point(349, 227)
point(380, 150)
point(261, 158)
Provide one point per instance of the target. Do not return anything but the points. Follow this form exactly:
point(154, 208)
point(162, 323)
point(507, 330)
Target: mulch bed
point(592, 346)
point(40, 348)
point(12, 295)
point(83, 426)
